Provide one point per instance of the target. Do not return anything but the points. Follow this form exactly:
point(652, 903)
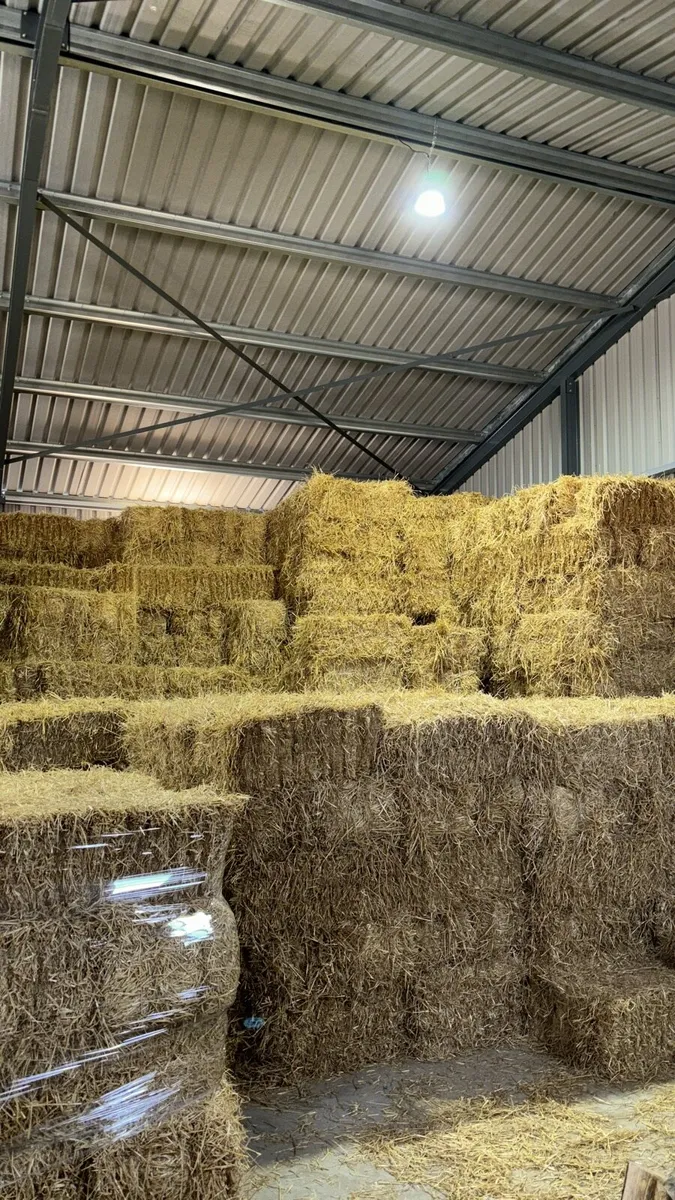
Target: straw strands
point(66, 680)
point(543, 1149)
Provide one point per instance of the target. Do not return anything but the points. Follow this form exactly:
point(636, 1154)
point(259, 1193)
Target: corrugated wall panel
point(533, 456)
point(628, 400)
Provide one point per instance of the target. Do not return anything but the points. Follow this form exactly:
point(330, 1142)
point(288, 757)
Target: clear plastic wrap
point(114, 988)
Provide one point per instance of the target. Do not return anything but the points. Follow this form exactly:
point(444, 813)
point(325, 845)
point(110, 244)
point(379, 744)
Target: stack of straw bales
point(598, 858)
point(172, 602)
point(119, 962)
point(575, 582)
point(375, 876)
point(363, 570)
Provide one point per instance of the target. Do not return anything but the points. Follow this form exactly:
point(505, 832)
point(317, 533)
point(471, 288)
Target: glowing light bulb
point(430, 203)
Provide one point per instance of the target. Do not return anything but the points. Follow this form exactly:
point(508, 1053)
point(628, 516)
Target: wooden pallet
point(640, 1184)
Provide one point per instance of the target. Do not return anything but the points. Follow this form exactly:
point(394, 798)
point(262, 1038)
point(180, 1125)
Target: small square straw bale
point(256, 742)
point(51, 622)
point(616, 1019)
point(198, 1152)
point(191, 537)
point(44, 538)
point(166, 586)
point(61, 733)
point(66, 680)
point(254, 633)
point(66, 835)
point(85, 1098)
point(343, 653)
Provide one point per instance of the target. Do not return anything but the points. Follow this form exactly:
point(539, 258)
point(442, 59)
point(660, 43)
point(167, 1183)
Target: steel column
point(570, 431)
point(43, 78)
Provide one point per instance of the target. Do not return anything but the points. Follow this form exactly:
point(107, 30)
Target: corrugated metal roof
point(120, 140)
point(313, 49)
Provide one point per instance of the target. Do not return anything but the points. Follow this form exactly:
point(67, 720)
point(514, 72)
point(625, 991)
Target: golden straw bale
point(180, 636)
point(130, 824)
point(330, 586)
point(198, 1151)
point(61, 733)
point(44, 538)
point(425, 556)
point(337, 543)
point(254, 634)
point(70, 679)
point(613, 1019)
point(253, 743)
point(556, 576)
point(658, 550)
point(343, 653)
point(54, 575)
point(40, 622)
point(168, 586)
point(444, 654)
point(191, 537)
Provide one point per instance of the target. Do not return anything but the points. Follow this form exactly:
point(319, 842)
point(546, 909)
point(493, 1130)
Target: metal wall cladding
point(628, 400)
point(533, 456)
point(313, 49)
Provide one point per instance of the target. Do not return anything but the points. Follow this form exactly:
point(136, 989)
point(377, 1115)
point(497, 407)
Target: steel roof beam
point(222, 233)
point(284, 416)
point(658, 287)
point(92, 49)
point(51, 25)
point(501, 49)
point(47, 500)
point(165, 462)
point(73, 310)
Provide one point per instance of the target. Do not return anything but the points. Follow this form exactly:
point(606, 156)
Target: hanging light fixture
point(431, 201)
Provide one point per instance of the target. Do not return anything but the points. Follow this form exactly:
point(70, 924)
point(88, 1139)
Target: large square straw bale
point(191, 537)
point(613, 1019)
point(198, 1153)
point(61, 733)
point(44, 538)
point(85, 1099)
point(52, 622)
point(254, 743)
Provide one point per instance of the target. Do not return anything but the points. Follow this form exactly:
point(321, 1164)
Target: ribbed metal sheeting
point(533, 456)
point(628, 400)
point(290, 42)
point(123, 141)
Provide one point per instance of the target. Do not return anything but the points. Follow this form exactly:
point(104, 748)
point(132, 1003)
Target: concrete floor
point(308, 1144)
point(304, 1143)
